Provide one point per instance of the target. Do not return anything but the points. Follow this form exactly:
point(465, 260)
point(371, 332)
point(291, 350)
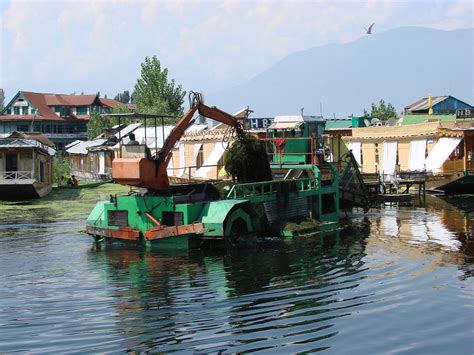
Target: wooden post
point(464, 159)
point(34, 163)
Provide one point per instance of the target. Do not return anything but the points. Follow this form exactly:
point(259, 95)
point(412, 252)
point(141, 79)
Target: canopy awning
point(356, 148)
point(389, 158)
point(285, 125)
point(441, 151)
point(416, 158)
point(212, 160)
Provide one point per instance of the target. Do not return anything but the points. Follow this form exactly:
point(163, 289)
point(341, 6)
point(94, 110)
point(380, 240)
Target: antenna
point(302, 109)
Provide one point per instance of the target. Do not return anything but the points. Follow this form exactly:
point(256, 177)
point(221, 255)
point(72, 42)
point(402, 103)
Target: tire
point(238, 229)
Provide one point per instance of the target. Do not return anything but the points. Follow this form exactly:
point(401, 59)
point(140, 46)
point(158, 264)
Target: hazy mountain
point(400, 66)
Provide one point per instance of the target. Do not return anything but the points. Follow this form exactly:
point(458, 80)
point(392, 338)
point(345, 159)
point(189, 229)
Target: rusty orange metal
point(141, 172)
point(125, 233)
point(153, 219)
point(152, 174)
point(173, 231)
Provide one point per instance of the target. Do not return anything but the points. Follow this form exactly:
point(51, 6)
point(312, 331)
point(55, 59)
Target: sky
point(89, 46)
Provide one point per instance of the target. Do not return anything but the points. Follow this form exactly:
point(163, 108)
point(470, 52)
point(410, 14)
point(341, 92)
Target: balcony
point(16, 177)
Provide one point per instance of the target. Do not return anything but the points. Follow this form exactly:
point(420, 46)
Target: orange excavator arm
point(152, 174)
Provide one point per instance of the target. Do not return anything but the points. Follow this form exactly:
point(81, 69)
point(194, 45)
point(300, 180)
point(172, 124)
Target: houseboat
point(91, 161)
point(26, 166)
point(440, 151)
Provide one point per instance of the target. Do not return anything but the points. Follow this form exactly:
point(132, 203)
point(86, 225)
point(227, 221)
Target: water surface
point(397, 280)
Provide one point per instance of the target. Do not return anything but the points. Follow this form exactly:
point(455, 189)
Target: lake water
point(396, 281)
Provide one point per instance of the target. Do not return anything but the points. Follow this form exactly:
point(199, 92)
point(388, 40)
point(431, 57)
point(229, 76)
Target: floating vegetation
point(247, 161)
point(60, 204)
point(298, 227)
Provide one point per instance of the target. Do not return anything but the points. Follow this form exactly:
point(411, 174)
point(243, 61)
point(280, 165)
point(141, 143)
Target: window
point(22, 127)
point(81, 110)
point(25, 110)
point(65, 111)
point(57, 109)
point(33, 110)
point(16, 110)
point(200, 157)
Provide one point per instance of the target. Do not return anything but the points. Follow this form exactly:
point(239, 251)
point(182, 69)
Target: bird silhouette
point(369, 30)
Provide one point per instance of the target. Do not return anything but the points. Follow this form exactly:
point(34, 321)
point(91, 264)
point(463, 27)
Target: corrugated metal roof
point(81, 148)
point(37, 136)
point(422, 104)
point(128, 129)
point(70, 145)
point(25, 143)
point(151, 140)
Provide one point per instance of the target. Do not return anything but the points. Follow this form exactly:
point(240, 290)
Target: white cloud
point(208, 43)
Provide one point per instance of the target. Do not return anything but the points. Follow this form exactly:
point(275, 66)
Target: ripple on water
point(374, 287)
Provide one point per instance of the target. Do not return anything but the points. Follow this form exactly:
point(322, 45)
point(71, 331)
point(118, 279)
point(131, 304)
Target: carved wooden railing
point(16, 175)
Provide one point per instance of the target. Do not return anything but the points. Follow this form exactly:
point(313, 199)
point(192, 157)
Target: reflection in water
point(283, 295)
point(397, 281)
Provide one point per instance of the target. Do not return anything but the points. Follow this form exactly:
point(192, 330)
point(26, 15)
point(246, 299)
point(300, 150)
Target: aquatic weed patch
point(60, 204)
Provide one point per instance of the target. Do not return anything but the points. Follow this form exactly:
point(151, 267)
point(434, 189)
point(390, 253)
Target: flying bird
point(369, 30)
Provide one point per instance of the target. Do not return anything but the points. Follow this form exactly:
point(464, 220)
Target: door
point(11, 162)
point(101, 163)
point(11, 166)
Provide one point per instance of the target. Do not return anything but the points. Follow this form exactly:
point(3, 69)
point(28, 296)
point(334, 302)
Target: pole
point(156, 139)
point(163, 129)
point(120, 137)
point(145, 129)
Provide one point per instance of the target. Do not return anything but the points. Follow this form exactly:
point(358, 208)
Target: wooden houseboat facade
point(26, 166)
point(442, 151)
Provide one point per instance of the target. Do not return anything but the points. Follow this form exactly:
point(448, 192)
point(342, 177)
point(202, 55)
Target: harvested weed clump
point(247, 161)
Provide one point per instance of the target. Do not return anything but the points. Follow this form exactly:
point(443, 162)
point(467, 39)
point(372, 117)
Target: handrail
point(16, 175)
point(188, 169)
point(268, 187)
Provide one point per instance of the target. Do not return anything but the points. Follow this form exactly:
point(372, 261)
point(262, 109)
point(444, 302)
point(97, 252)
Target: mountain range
point(400, 66)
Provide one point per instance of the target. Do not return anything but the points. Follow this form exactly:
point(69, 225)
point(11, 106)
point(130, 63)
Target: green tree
point(383, 111)
point(60, 166)
point(97, 124)
point(2, 99)
point(153, 92)
point(123, 97)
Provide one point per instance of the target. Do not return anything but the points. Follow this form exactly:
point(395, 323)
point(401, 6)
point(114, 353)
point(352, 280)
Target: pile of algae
point(247, 161)
point(61, 204)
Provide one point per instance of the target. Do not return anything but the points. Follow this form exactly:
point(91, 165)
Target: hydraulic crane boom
point(152, 173)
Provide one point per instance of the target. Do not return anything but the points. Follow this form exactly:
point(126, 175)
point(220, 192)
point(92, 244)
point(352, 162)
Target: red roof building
point(61, 118)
